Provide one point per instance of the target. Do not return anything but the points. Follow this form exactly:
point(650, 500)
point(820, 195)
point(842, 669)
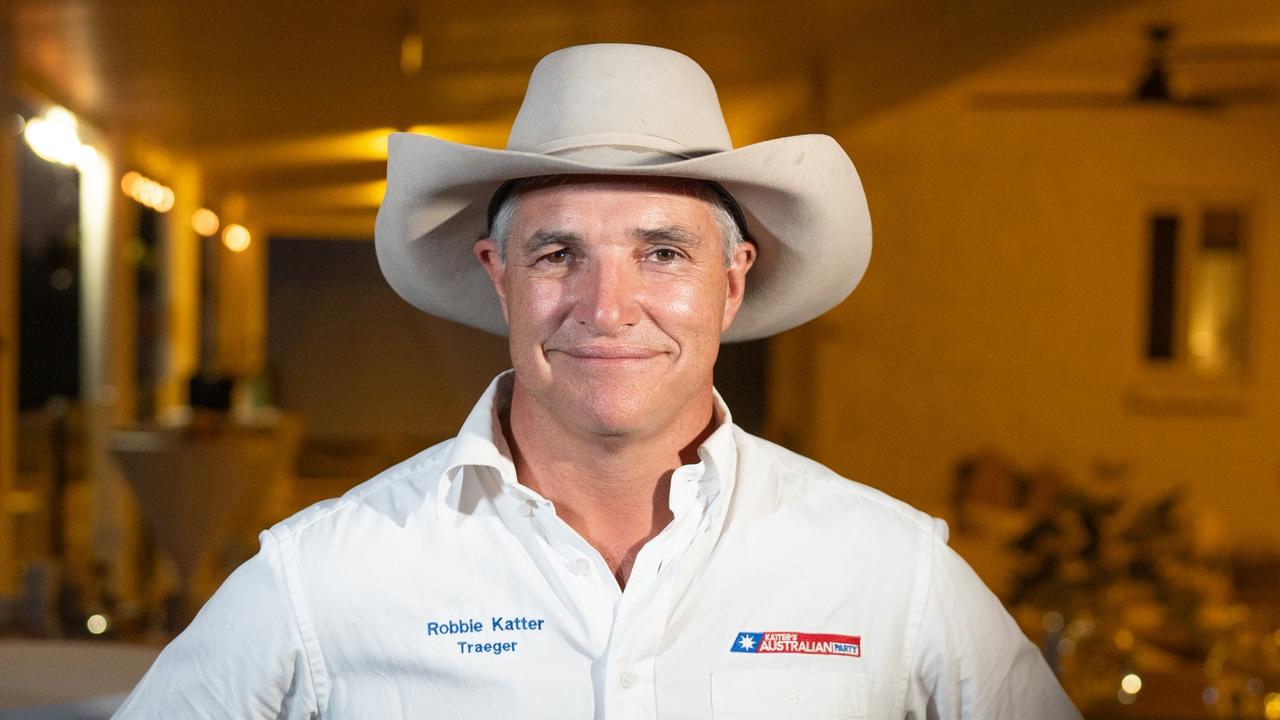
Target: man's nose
point(607, 297)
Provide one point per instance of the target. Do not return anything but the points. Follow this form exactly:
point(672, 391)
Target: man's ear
point(486, 251)
point(744, 256)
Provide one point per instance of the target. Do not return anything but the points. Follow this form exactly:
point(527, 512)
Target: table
point(68, 679)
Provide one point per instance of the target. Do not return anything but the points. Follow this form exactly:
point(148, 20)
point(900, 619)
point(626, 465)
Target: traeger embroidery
point(497, 624)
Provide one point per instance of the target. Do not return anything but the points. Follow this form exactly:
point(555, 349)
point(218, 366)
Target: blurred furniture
point(68, 680)
point(205, 486)
point(50, 476)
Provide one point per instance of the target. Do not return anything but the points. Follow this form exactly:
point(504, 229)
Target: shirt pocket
point(778, 695)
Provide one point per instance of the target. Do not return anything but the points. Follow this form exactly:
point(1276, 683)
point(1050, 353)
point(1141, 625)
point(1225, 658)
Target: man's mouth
point(609, 352)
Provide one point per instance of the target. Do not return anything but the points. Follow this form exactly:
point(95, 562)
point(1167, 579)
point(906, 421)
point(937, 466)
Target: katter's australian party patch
point(797, 643)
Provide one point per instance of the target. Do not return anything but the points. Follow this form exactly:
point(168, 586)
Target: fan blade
point(1226, 52)
point(1244, 95)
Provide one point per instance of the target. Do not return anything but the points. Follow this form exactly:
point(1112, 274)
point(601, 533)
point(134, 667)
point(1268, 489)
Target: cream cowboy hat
point(639, 111)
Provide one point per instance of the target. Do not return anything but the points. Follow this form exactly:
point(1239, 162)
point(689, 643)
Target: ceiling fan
point(1150, 88)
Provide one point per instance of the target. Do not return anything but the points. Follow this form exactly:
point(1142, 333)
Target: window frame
point(1175, 385)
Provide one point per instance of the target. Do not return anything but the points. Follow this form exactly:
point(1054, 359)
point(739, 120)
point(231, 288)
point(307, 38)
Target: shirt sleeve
point(973, 662)
point(242, 656)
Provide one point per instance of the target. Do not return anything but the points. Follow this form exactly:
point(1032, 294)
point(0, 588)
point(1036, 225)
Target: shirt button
point(581, 566)
point(627, 679)
point(526, 510)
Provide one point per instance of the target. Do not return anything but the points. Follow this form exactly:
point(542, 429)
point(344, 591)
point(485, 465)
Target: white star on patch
point(746, 642)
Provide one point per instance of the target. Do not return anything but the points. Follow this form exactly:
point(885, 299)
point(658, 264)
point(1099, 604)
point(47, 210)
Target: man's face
point(616, 293)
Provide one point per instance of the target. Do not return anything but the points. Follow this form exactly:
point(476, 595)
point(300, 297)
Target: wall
point(1005, 303)
point(352, 358)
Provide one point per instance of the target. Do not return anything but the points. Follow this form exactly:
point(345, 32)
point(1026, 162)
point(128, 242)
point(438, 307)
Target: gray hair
point(731, 231)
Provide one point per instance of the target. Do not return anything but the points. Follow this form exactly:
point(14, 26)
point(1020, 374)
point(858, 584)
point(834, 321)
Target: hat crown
point(626, 97)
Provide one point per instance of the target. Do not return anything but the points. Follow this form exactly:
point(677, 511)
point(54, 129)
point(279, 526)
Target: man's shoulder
point(406, 488)
point(800, 483)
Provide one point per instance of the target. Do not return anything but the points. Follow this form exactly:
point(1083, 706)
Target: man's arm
point(973, 660)
point(241, 657)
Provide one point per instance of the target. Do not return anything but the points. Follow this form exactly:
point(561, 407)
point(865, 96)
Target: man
point(600, 540)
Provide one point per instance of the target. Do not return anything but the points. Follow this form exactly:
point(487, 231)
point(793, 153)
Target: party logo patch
point(797, 643)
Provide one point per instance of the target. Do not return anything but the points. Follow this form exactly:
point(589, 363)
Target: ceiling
point(1220, 45)
point(289, 102)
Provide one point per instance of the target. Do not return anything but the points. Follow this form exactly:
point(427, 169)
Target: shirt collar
point(481, 443)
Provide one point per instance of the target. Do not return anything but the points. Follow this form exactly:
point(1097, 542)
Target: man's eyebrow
point(669, 235)
point(544, 238)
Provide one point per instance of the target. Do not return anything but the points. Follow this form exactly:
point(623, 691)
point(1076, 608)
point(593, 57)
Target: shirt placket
point(622, 631)
point(629, 689)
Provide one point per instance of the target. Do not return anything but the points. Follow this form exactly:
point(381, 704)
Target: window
point(1197, 312)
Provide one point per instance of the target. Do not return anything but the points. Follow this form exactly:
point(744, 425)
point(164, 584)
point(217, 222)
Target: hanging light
point(54, 136)
point(205, 222)
point(236, 237)
point(146, 191)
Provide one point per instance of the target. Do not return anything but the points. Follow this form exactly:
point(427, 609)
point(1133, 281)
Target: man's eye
point(665, 255)
point(559, 257)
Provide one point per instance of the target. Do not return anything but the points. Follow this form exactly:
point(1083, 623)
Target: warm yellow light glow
point(1066, 647)
point(97, 624)
point(205, 222)
point(1271, 706)
point(485, 134)
point(1125, 698)
point(1131, 683)
point(88, 157)
point(154, 193)
point(236, 238)
point(54, 136)
point(321, 198)
point(1275, 637)
point(127, 182)
point(357, 146)
point(148, 192)
point(166, 200)
point(411, 54)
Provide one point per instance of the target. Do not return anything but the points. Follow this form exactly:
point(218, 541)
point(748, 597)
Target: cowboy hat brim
point(801, 197)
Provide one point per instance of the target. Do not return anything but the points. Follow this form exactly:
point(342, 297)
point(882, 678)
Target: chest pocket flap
point(779, 695)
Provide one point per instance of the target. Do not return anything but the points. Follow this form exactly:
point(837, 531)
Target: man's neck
point(612, 490)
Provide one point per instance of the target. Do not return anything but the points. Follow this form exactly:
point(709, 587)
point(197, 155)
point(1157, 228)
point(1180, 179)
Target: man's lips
point(608, 352)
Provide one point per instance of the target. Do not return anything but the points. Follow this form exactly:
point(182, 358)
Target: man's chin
point(612, 422)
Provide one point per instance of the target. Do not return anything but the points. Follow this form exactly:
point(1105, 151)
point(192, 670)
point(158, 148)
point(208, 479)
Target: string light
point(128, 181)
point(147, 192)
point(236, 238)
point(97, 624)
point(205, 222)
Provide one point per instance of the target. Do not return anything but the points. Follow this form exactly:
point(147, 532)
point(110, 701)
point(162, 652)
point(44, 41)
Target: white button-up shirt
point(443, 588)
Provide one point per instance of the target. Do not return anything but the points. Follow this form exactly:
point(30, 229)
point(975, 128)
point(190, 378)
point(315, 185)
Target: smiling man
point(600, 540)
point(616, 292)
